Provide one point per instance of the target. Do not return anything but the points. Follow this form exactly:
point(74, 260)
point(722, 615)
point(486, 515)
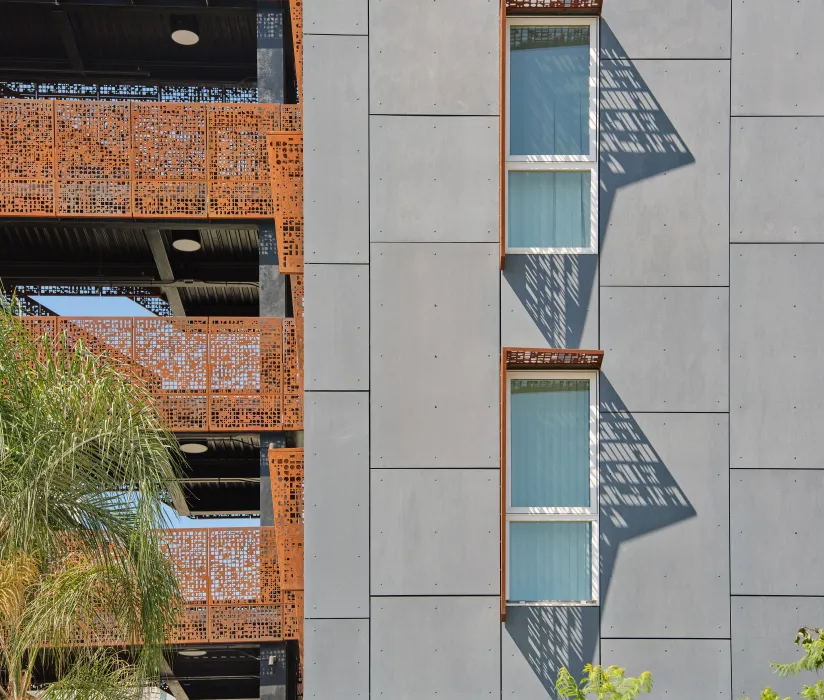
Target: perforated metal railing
point(287, 474)
point(206, 374)
point(143, 160)
point(230, 586)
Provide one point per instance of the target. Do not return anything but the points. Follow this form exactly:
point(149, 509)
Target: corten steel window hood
point(536, 359)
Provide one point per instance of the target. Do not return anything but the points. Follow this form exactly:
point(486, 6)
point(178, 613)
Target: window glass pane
point(549, 209)
point(549, 91)
point(549, 442)
point(550, 561)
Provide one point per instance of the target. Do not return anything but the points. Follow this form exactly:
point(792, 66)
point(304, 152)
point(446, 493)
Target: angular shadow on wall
point(638, 496)
point(550, 638)
point(637, 141)
point(555, 290)
point(636, 138)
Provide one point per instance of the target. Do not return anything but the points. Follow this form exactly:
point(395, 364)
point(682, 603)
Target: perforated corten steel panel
point(588, 7)
point(296, 284)
point(293, 374)
point(93, 154)
point(290, 118)
point(230, 585)
point(145, 160)
point(205, 374)
point(189, 552)
point(238, 161)
point(26, 157)
point(169, 150)
point(169, 141)
point(552, 358)
point(286, 473)
point(293, 615)
point(286, 164)
point(296, 15)
point(235, 572)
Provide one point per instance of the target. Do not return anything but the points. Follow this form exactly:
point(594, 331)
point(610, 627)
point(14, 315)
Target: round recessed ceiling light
point(194, 448)
point(186, 241)
point(192, 652)
point(184, 30)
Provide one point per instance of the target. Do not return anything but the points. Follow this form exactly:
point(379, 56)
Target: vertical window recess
point(550, 149)
point(549, 482)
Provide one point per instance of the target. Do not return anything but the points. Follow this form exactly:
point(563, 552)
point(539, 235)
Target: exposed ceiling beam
point(174, 685)
point(193, 6)
point(164, 268)
point(61, 22)
point(43, 273)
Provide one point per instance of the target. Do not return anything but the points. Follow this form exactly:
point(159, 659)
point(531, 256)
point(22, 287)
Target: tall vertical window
point(552, 119)
point(552, 487)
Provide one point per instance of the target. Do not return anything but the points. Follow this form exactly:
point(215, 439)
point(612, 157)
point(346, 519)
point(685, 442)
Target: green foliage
point(79, 550)
point(811, 640)
point(602, 683)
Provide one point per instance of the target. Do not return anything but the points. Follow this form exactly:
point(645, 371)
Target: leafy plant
point(602, 683)
point(811, 640)
point(86, 466)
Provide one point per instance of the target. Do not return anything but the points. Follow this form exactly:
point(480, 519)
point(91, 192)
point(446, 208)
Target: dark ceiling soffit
point(552, 358)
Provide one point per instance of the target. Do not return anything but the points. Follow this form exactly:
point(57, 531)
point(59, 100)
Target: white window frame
point(587, 162)
point(556, 514)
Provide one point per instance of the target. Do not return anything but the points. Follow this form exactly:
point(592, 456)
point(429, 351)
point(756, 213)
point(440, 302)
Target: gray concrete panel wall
point(783, 202)
point(666, 349)
point(537, 641)
point(336, 17)
point(776, 337)
point(763, 632)
point(336, 160)
point(776, 58)
point(436, 647)
point(683, 669)
point(688, 29)
point(434, 58)
point(434, 179)
point(335, 109)
point(664, 196)
point(550, 301)
point(337, 659)
point(435, 532)
point(337, 504)
point(674, 508)
point(336, 331)
point(435, 357)
point(773, 513)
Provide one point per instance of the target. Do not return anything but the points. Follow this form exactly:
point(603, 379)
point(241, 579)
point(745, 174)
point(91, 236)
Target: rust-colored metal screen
point(219, 374)
point(296, 284)
point(169, 149)
point(552, 358)
point(93, 153)
point(103, 158)
point(296, 16)
point(293, 374)
point(230, 585)
point(27, 157)
point(286, 474)
point(286, 159)
point(580, 7)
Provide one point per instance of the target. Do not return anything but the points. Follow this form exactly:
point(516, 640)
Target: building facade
point(692, 562)
point(518, 276)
